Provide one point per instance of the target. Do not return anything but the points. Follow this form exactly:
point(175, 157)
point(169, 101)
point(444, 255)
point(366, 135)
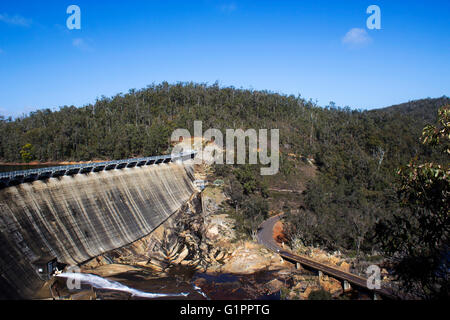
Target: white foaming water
point(102, 283)
point(199, 290)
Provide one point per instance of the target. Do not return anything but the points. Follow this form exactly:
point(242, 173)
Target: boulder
point(305, 294)
point(331, 285)
point(345, 266)
point(274, 285)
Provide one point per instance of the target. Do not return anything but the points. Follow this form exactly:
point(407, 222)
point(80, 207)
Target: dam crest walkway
point(14, 178)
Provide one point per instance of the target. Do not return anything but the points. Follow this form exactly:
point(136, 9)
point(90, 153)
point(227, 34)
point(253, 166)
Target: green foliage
point(27, 152)
point(319, 295)
point(417, 237)
point(236, 192)
point(247, 177)
point(357, 153)
point(140, 122)
point(357, 183)
point(255, 211)
point(439, 136)
point(284, 293)
point(251, 207)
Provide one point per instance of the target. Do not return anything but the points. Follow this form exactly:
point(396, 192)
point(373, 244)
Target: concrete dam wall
point(75, 218)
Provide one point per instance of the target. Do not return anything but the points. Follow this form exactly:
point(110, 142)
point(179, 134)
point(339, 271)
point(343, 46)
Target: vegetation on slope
point(416, 238)
point(357, 153)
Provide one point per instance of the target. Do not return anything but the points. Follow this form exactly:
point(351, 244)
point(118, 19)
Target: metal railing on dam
point(17, 177)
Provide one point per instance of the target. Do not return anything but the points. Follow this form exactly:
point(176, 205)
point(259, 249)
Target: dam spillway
point(75, 218)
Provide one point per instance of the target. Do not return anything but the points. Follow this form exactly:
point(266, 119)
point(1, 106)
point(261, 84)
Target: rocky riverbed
point(196, 252)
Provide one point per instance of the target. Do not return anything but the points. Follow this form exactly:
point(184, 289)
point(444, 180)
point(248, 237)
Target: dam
point(77, 217)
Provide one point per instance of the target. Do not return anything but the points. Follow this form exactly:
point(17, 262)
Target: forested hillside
point(357, 186)
point(141, 121)
point(357, 153)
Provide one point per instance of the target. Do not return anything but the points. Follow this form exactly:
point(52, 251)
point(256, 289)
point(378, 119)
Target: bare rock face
point(302, 287)
point(274, 285)
point(305, 294)
point(212, 197)
point(345, 266)
point(219, 228)
point(249, 257)
point(333, 286)
point(193, 238)
point(109, 270)
point(182, 240)
point(334, 259)
point(205, 241)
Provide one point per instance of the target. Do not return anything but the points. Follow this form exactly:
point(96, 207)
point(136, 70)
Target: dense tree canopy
point(357, 153)
point(141, 121)
point(416, 238)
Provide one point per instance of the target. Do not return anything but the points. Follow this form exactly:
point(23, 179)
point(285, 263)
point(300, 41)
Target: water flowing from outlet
point(200, 291)
point(102, 283)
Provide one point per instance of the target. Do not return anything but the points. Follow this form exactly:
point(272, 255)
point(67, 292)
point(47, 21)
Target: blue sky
point(319, 49)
